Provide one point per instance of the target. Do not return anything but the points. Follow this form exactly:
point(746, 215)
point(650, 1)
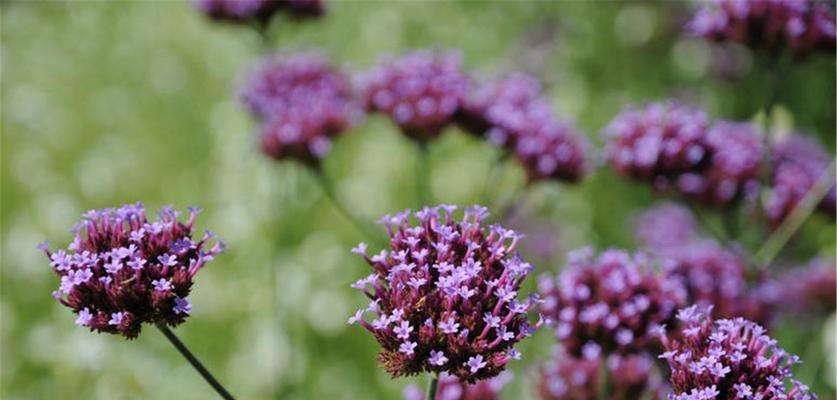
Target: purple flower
point(301, 102)
point(422, 91)
point(111, 298)
point(723, 358)
point(665, 225)
point(810, 288)
point(452, 388)
point(257, 11)
point(801, 26)
point(454, 322)
point(614, 301)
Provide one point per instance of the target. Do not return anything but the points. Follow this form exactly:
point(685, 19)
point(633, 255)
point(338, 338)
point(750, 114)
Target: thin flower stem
point(492, 176)
point(328, 190)
point(433, 387)
point(779, 238)
point(604, 387)
point(195, 363)
point(423, 194)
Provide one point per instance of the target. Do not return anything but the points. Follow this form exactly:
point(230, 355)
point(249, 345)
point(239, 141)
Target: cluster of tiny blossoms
point(444, 295)
point(122, 270)
point(512, 113)
point(257, 11)
point(614, 301)
point(727, 359)
point(673, 145)
point(797, 164)
point(301, 102)
point(801, 26)
point(451, 388)
point(422, 91)
point(566, 377)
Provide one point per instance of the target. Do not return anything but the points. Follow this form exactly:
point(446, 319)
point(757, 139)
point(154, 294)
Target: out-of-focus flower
point(451, 388)
point(810, 289)
point(566, 377)
point(798, 162)
point(665, 225)
point(257, 11)
point(444, 295)
point(512, 114)
point(422, 91)
point(735, 157)
point(801, 26)
point(302, 102)
point(614, 301)
point(122, 270)
point(727, 359)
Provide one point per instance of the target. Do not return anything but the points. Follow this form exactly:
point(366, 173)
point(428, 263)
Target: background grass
point(105, 103)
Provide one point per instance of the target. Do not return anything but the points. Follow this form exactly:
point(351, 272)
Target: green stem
point(491, 177)
point(194, 362)
point(328, 190)
point(433, 387)
point(423, 194)
point(779, 238)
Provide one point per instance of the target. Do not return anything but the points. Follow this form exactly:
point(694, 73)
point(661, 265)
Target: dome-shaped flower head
point(239, 11)
point(801, 26)
point(565, 377)
point(811, 288)
point(727, 359)
point(665, 225)
point(735, 158)
point(657, 142)
point(798, 162)
point(615, 301)
point(422, 91)
point(302, 102)
point(444, 295)
point(451, 388)
point(503, 104)
point(122, 270)
point(553, 150)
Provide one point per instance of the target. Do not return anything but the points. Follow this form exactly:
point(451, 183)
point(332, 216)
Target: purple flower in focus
point(301, 102)
point(464, 319)
point(614, 301)
point(727, 357)
point(118, 300)
point(451, 388)
point(422, 91)
point(801, 26)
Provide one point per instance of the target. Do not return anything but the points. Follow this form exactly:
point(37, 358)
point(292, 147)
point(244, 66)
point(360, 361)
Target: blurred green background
point(105, 103)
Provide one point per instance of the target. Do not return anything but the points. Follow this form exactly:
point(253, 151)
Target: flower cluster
point(798, 162)
point(566, 377)
point(812, 287)
point(665, 225)
point(802, 26)
point(422, 91)
point(614, 301)
point(257, 11)
point(727, 359)
point(511, 113)
point(673, 145)
point(122, 270)
point(301, 101)
point(451, 388)
point(444, 295)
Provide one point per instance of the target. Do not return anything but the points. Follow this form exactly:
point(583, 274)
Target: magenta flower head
point(614, 301)
point(121, 270)
point(800, 26)
point(798, 162)
point(665, 225)
point(302, 102)
point(552, 151)
point(451, 388)
point(811, 288)
point(727, 359)
point(444, 295)
point(500, 109)
point(658, 142)
point(239, 11)
point(421, 91)
point(734, 164)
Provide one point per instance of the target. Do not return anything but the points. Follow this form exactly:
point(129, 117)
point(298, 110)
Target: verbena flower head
point(800, 26)
point(798, 162)
point(727, 359)
point(810, 289)
point(551, 151)
point(614, 301)
point(302, 102)
point(239, 11)
point(566, 377)
point(122, 270)
point(422, 91)
point(658, 142)
point(735, 158)
point(665, 225)
point(451, 388)
point(444, 295)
